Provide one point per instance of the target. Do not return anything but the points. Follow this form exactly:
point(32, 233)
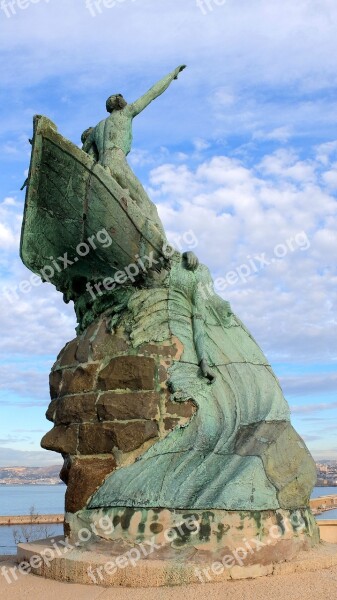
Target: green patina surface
point(239, 450)
point(74, 195)
point(209, 530)
point(80, 226)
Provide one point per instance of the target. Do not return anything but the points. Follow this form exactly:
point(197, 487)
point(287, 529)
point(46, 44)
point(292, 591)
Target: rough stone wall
point(109, 403)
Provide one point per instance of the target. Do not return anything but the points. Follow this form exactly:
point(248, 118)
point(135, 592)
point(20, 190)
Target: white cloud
point(9, 202)
point(20, 458)
point(330, 177)
point(259, 74)
point(310, 384)
point(7, 237)
point(48, 323)
point(252, 66)
point(238, 212)
point(280, 134)
point(286, 165)
point(10, 225)
point(201, 144)
point(325, 151)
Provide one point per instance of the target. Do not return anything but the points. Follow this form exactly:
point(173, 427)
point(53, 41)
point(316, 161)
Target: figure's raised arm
point(153, 93)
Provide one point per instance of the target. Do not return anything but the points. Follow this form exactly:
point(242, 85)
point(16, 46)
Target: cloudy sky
point(240, 155)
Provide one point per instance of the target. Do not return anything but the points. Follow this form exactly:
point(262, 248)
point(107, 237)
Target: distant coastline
point(51, 475)
point(325, 485)
point(30, 520)
point(4, 483)
point(30, 475)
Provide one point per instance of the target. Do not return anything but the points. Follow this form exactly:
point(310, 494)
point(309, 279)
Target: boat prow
point(70, 201)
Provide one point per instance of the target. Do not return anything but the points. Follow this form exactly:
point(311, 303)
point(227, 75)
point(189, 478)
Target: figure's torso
point(113, 132)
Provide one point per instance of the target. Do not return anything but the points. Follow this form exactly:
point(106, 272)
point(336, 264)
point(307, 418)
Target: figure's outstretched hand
point(178, 70)
point(191, 261)
point(206, 371)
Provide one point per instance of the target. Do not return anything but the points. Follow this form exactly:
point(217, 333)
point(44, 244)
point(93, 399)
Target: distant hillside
point(30, 475)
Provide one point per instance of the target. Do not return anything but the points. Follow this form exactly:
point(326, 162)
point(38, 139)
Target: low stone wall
point(328, 530)
point(324, 502)
point(28, 520)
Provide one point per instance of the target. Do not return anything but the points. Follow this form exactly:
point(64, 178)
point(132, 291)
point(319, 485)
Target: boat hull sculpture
point(70, 198)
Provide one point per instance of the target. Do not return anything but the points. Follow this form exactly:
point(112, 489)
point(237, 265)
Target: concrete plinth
point(267, 536)
point(116, 563)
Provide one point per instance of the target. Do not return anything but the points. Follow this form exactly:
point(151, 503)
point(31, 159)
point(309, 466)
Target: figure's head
point(115, 102)
point(86, 134)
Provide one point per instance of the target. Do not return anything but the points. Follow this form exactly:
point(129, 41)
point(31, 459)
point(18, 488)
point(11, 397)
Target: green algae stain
point(205, 526)
point(221, 531)
point(141, 528)
point(126, 518)
point(257, 516)
point(116, 520)
point(280, 522)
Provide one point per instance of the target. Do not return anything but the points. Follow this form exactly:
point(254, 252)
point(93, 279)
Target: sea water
point(49, 499)
point(20, 500)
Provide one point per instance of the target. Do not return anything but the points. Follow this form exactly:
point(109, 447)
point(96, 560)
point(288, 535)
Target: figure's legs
point(125, 177)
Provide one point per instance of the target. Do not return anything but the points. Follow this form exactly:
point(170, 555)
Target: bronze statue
point(111, 139)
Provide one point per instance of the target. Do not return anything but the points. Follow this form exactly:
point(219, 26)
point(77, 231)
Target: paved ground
point(304, 586)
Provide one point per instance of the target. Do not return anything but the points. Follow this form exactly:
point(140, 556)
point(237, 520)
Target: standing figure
point(111, 139)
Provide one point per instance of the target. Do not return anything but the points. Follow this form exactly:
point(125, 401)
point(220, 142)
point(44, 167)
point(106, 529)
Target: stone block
point(128, 372)
point(64, 473)
point(84, 343)
point(76, 409)
point(102, 438)
point(134, 405)
point(97, 438)
point(67, 357)
point(51, 410)
point(170, 423)
point(130, 436)
point(107, 344)
point(79, 380)
point(158, 350)
point(85, 476)
point(82, 352)
point(61, 439)
point(162, 374)
point(55, 380)
point(182, 409)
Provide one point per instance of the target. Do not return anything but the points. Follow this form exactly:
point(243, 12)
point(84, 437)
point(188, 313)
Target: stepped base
point(185, 551)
